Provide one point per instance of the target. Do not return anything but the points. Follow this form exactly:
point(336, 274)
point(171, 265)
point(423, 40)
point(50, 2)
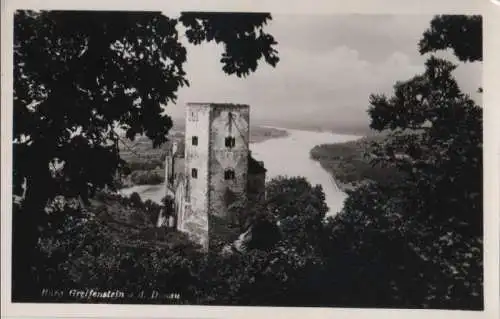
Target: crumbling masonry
point(212, 170)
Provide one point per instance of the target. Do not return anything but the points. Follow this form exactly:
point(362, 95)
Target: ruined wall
point(169, 180)
point(228, 121)
point(204, 199)
point(195, 219)
point(180, 204)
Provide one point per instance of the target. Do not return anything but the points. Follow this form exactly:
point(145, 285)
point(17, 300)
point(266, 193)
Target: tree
point(461, 33)
point(299, 209)
point(394, 259)
point(436, 140)
point(265, 234)
point(135, 200)
point(289, 196)
point(80, 75)
point(429, 224)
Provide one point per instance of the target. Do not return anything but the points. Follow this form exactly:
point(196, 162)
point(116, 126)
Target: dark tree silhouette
point(463, 34)
point(299, 208)
point(436, 140)
point(423, 234)
point(80, 75)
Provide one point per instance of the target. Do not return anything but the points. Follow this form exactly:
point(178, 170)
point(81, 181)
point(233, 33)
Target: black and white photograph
point(241, 158)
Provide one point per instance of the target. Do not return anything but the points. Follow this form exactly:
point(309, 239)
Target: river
point(287, 156)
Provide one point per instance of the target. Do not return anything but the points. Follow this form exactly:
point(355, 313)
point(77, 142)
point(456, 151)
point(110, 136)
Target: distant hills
point(320, 125)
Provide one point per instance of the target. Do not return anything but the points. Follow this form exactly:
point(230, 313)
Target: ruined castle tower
point(216, 167)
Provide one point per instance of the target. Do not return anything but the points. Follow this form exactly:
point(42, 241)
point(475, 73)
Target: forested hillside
point(350, 163)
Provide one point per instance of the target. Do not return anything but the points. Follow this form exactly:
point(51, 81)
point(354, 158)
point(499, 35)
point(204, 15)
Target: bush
point(135, 200)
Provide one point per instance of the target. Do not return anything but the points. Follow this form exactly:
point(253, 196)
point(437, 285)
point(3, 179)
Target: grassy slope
point(134, 226)
point(349, 165)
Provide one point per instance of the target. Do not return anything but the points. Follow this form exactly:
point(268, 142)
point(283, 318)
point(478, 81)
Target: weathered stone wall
point(195, 219)
point(180, 204)
point(228, 121)
point(210, 194)
point(169, 171)
point(196, 225)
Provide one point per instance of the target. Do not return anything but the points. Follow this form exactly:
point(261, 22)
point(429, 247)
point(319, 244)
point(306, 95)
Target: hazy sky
point(328, 67)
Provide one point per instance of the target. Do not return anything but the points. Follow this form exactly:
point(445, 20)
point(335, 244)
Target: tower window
point(193, 116)
point(194, 140)
point(228, 174)
point(194, 173)
point(230, 141)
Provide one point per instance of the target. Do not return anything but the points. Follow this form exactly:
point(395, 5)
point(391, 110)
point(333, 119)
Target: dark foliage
point(84, 250)
point(390, 258)
point(437, 142)
point(463, 34)
point(79, 75)
point(265, 233)
point(135, 199)
point(245, 44)
point(418, 243)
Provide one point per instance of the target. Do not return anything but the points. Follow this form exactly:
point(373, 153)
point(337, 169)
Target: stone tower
point(216, 167)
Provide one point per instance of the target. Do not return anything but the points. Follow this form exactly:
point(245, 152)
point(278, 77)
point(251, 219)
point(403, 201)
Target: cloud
point(373, 36)
point(328, 68)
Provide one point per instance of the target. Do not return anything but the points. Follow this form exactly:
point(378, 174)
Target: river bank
point(259, 134)
point(350, 163)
